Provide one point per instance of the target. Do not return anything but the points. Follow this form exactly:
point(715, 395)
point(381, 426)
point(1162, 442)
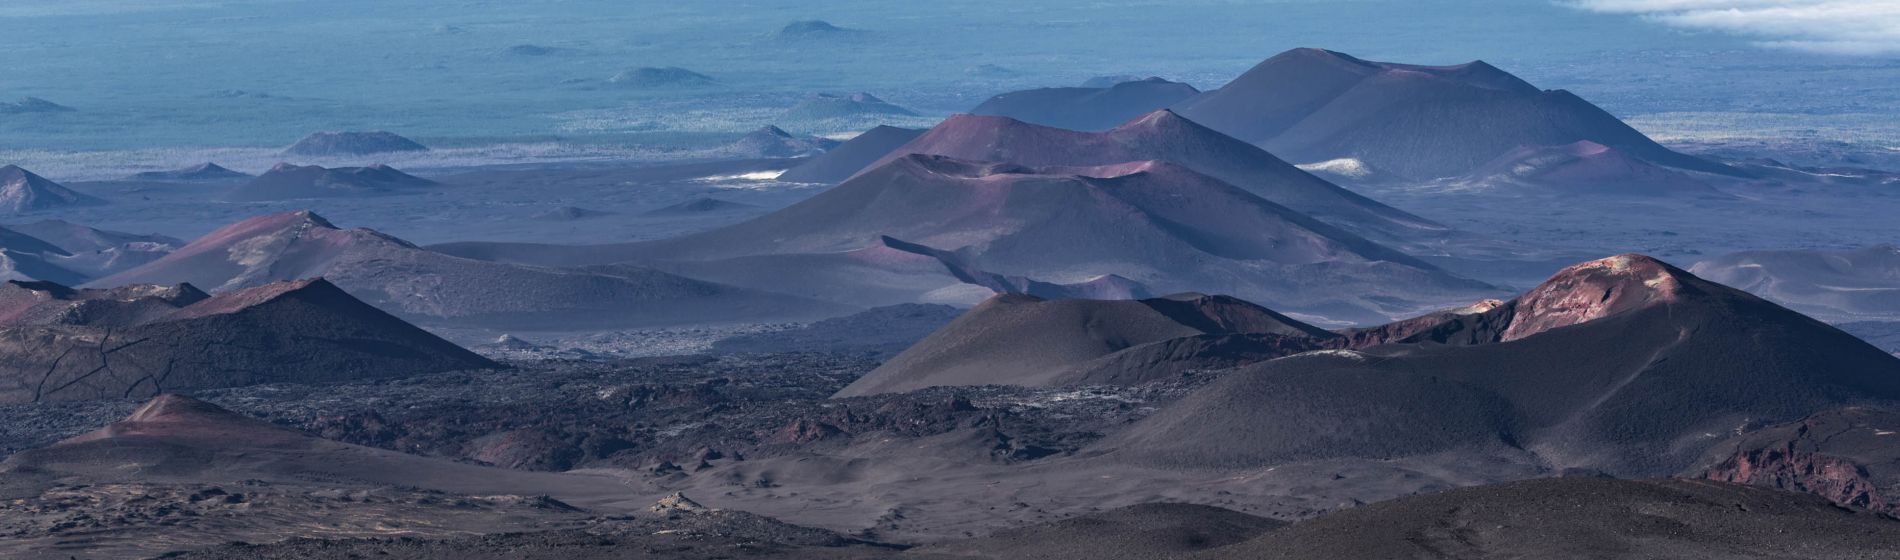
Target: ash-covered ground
point(661, 415)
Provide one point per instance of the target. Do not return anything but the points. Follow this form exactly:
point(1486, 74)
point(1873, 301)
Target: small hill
point(1158, 224)
point(293, 182)
point(142, 340)
point(1856, 285)
point(21, 191)
point(1419, 122)
point(340, 144)
point(1582, 518)
point(847, 159)
point(1623, 365)
point(668, 77)
point(89, 251)
point(32, 105)
point(1583, 168)
point(202, 172)
point(774, 142)
point(1030, 341)
point(432, 287)
point(1166, 136)
point(815, 29)
point(1087, 108)
point(825, 106)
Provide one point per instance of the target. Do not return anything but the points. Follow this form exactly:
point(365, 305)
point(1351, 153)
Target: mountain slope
point(1087, 108)
point(1624, 365)
point(1158, 224)
point(69, 344)
point(1029, 341)
point(1421, 122)
point(1857, 285)
point(1166, 136)
point(427, 286)
point(21, 191)
point(290, 182)
point(852, 156)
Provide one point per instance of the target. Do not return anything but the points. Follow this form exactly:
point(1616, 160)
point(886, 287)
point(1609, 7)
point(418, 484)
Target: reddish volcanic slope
point(1625, 365)
point(1422, 122)
point(1087, 108)
point(1166, 136)
point(67, 344)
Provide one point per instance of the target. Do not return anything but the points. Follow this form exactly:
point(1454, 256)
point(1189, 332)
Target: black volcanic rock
point(774, 142)
point(1166, 136)
point(1847, 455)
point(1087, 108)
point(1856, 285)
point(826, 106)
point(1156, 530)
point(1421, 122)
point(202, 172)
point(426, 286)
point(1029, 341)
point(847, 159)
point(32, 105)
point(70, 344)
point(338, 144)
point(1158, 224)
point(292, 182)
point(1623, 365)
point(660, 78)
point(700, 206)
point(1582, 518)
point(21, 191)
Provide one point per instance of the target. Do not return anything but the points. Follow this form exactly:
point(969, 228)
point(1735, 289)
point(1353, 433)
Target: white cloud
point(1869, 27)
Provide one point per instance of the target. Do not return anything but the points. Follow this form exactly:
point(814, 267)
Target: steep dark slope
point(1422, 122)
point(1623, 365)
point(65, 344)
point(1029, 341)
point(1087, 108)
point(852, 156)
point(1565, 518)
point(433, 287)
